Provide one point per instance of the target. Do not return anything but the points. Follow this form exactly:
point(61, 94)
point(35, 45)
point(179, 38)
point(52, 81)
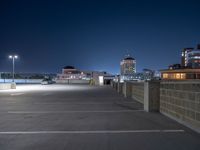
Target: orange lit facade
point(69, 72)
point(180, 74)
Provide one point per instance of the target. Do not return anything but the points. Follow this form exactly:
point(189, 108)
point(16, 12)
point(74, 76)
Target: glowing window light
point(182, 75)
point(165, 75)
point(178, 75)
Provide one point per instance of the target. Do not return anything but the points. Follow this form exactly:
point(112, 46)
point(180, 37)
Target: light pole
point(13, 57)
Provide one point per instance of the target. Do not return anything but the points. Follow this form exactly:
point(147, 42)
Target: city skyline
point(95, 35)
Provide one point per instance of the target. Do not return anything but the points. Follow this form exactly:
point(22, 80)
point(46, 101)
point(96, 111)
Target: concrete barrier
point(120, 88)
point(22, 81)
point(151, 96)
point(127, 89)
point(72, 81)
point(137, 91)
point(180, 100)
point(147, 93)
point(7, 86)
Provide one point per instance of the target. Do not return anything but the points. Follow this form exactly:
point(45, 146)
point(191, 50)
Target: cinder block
point(191, 96)
point(197, 107)
point(197, 97)
point(198, 116)
point(190, 114)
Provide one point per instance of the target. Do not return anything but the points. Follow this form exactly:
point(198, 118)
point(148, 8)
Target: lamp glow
point(13, 57)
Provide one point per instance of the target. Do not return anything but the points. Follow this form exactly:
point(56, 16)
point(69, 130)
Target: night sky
point(95, 35)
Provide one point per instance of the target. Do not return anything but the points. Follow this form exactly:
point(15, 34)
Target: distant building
point(69, 72)
point(184, 56)
point(127, 67)
point(188, 69)
point(191, 57)
point(180, 74)
point(102, 77)
point(175, 66)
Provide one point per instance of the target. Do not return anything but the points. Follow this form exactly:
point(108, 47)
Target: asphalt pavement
point(83, 117)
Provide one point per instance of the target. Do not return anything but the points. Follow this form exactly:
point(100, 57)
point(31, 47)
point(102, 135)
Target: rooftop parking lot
point(74, 117)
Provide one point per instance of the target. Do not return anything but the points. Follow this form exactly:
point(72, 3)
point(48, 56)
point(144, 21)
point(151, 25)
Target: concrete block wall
point(73, 81)
point(151, 96)
point(120, 88)
point(127, 89)
point(137, 91)
point(114, 85)
point(180, 100)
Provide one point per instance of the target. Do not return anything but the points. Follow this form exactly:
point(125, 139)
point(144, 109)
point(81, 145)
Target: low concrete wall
point(147, 93)
point(152, 96)
point(127, 89)
point(22, 81)
point(120, 88)
point(137, 91)
point(72, 81)
point(116, 86)
point(181, 101)
point(7, 86)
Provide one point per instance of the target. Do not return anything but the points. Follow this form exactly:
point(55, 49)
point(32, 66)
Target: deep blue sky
point(95, 35)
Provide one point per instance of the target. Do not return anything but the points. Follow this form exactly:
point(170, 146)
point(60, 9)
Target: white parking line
point(94, 132)
point(84, 111)
point(79, 103)
point(15, 94)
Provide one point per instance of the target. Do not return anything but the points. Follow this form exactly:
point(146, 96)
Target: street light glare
point(13, 57)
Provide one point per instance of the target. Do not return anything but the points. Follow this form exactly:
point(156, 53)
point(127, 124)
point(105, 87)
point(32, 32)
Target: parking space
point(47, 117)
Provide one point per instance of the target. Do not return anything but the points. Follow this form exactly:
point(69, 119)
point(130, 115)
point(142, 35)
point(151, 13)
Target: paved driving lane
point(74, 117)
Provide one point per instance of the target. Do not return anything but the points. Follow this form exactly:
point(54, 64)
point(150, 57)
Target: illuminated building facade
point(184, 56)
point(127, 67)
point(191, 57)
point(69, 72)
point(180, 74)
point(188, 69)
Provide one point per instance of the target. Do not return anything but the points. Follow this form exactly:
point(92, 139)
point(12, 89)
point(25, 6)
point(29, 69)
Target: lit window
point(182, 75)
point(178, 76)
point(165, 75)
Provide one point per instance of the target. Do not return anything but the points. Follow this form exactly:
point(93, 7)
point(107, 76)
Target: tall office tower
point(193, 58)
point(184, 58)
point(127, 67)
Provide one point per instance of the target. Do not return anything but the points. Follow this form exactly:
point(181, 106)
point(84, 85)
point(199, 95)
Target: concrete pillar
point(151, 96)
point(127, 89)
point(13, 85)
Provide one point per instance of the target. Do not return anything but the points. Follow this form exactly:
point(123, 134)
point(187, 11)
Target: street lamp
point(13, 57)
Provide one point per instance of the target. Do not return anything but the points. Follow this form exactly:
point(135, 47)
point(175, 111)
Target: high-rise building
point(184, 58)
point(191, 57)
point(127, 67)
point(189, 68)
